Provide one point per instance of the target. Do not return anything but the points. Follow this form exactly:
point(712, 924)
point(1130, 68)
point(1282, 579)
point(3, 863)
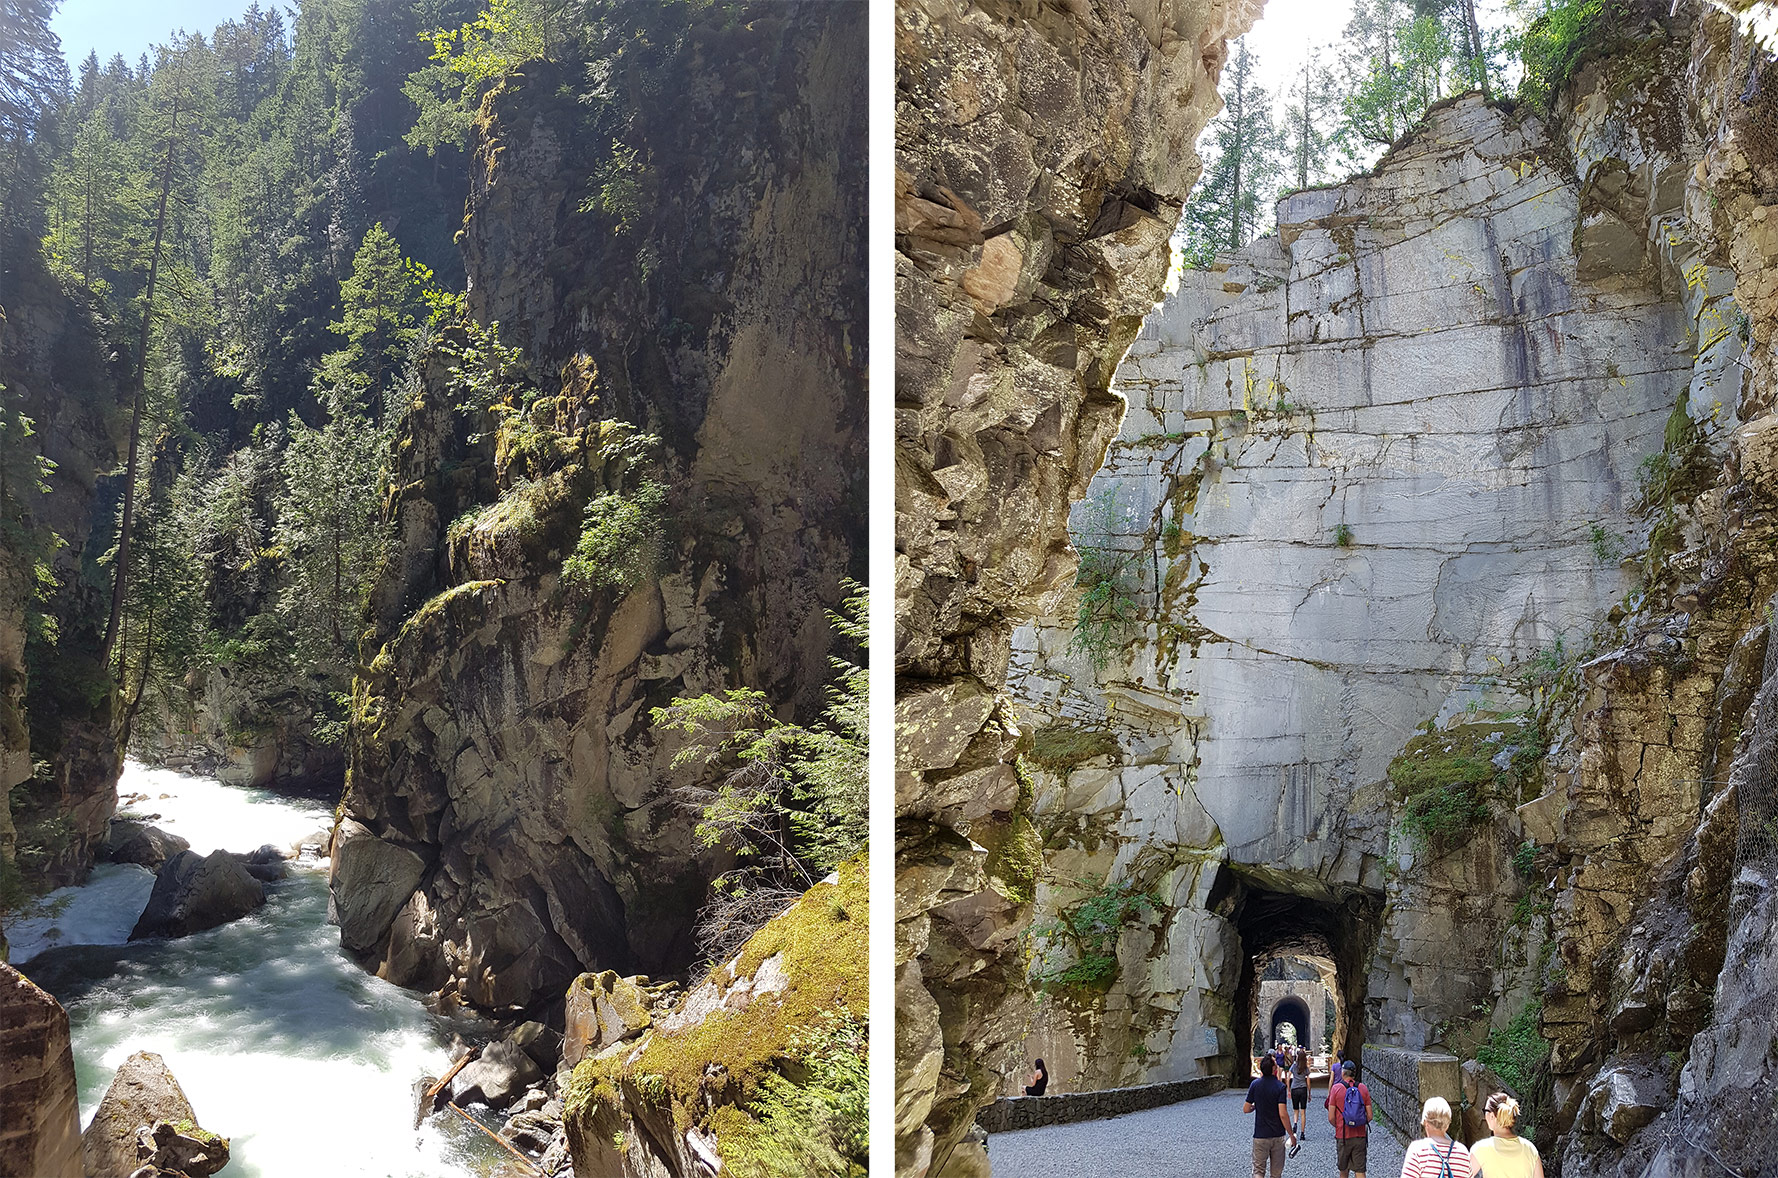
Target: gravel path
point(1204, 1138)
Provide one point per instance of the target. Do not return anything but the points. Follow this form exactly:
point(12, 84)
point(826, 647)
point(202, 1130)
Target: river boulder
point(137, 842)
point(498, 1078)
point(146, 1121)
point(372, 879)
point(193, 893)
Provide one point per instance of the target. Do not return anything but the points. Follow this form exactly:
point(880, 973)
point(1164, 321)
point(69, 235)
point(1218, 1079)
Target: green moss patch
point(1443, 780)
point(824, 941)
point(1061, 747)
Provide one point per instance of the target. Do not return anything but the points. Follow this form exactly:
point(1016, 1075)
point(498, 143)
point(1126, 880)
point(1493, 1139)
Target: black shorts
point(1299, 1098)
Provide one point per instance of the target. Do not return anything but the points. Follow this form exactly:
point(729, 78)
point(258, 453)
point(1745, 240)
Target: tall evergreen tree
point(1229, 205)
point(1310, 123)
point(383, 305)
point(178, 96)
point(330, 530)
point(33, 82)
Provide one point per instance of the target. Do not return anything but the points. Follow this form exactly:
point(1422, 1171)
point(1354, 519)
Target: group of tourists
point(1279, 1098)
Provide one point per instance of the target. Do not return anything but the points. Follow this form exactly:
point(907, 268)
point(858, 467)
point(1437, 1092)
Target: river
point(283, 1045)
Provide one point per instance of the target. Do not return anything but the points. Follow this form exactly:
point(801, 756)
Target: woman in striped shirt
point(1438, 1154)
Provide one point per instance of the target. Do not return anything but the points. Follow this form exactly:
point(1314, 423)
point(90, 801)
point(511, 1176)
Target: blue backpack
point(1354, 1112)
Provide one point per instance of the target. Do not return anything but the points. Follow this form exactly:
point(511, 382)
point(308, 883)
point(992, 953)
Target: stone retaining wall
point(1028, 1112)
point(1401, 1082)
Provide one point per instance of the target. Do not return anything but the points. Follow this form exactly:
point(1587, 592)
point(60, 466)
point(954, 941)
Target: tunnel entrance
point(1291, 925)
point(1290, 1024)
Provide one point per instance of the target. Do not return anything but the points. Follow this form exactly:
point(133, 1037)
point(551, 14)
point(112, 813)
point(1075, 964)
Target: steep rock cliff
point(1042, 155)
point(56, 739)
point(1512, 387)
point(510, 813)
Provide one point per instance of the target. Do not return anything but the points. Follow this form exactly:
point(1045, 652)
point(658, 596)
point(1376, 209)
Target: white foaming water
point(212, 816)
point(282, 1044)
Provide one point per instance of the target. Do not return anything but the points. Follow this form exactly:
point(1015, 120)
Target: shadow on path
point(1204, 1138)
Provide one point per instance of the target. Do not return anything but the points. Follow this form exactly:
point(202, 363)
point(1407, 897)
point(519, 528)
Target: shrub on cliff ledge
point(793, 802)
point(1443, 779)
point(1106, 579)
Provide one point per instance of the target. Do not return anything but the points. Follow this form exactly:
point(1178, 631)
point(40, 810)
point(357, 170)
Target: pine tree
point(1229, 205)
point(33, 83)
point(178, 96)
point(329, 528)
point(1309, 125)
point(1376, 90)
point(384, 304)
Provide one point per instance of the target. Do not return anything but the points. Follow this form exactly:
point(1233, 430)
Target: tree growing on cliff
point(1229, 206)
point(793, 801)
point(383, 303)
point(467, 59)
point(1309, 129)
point(330, 531)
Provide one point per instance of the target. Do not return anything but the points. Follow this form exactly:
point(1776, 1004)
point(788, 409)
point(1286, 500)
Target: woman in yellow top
point(1505, 1154)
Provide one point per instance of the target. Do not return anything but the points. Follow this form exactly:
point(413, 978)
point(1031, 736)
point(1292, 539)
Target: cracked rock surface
point(1042, 154)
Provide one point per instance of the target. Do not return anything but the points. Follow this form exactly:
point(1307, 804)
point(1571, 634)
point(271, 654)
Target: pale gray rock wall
point(1371, 470)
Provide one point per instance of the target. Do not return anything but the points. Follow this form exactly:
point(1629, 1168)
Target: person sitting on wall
point(1040, 1079)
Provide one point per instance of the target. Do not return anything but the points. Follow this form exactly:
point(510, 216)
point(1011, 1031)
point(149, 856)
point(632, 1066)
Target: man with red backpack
point(1349, 1112)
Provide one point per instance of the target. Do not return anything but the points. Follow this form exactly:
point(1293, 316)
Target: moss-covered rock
point(724, 1069)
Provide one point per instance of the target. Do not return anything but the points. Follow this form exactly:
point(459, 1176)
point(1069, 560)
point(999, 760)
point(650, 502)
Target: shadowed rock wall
point(512, 817)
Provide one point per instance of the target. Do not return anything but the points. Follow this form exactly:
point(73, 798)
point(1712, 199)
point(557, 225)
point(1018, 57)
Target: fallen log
point(428, 1102)
point(504, 1143)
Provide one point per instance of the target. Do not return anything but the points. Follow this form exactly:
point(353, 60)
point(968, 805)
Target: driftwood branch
point(510, 1148)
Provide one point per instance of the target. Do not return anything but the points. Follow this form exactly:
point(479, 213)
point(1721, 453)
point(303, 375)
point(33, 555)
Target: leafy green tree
point(330, 531)
point(793, 802)
point(1227, 208)
point(467, 59)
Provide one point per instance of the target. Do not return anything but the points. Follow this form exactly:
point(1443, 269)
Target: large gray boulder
point(372, 879)
point(194, 893)
point(145, 1119)
point(498, 1078)
point(137, 842)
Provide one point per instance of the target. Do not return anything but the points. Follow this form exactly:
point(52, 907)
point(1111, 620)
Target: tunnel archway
point(1294, 1013)
point(1332, 927)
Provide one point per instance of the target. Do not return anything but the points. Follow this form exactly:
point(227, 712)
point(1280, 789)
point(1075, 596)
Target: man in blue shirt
point(1266, 1100)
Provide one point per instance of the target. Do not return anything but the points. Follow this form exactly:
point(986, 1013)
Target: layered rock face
point(1512, 387)
point(1364, 481)
point(55, 696)
point(1042, 155)
point(39, 1104)
point(1663, 967)
point(511, 817)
